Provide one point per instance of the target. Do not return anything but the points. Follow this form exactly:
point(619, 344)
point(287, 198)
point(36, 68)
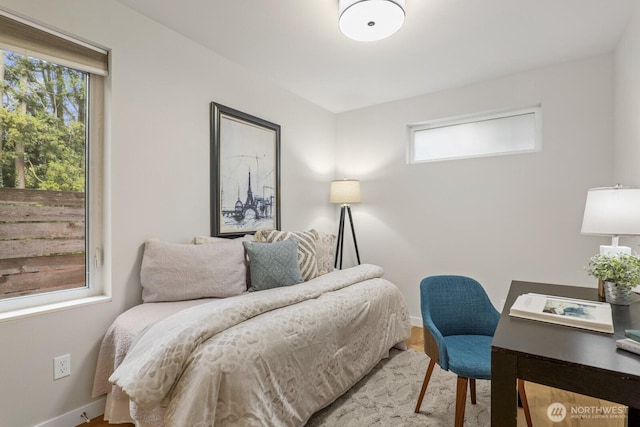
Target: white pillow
point(176, 272)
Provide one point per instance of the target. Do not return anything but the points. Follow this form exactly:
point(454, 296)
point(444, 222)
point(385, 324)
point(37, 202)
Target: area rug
point(387, 396)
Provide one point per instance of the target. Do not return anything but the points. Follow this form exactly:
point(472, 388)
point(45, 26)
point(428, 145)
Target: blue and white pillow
point(273, 264)
point(306, 248)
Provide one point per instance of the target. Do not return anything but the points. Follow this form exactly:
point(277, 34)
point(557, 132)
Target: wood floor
point(539, 396)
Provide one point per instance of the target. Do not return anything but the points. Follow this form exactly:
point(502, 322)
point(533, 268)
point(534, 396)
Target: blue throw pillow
point(272, 265)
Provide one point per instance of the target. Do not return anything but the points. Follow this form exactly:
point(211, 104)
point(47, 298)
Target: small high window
point(479, 135)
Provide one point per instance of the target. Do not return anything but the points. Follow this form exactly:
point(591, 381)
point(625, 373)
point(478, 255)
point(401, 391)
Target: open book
point(583, 314)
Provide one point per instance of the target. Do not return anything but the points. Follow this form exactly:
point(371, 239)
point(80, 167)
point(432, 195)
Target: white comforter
point(272, 357)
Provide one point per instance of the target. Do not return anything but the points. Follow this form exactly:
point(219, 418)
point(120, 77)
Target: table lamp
point(345, 192)
point(615, 212)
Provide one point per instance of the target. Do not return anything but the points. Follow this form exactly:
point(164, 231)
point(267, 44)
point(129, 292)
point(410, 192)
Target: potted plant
point(620, 274)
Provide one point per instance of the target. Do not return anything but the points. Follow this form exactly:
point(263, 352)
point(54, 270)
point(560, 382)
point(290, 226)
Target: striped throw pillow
point(325, 251)
point(306, 248)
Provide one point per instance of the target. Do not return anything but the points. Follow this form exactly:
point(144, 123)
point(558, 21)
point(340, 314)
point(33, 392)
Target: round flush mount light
point(371, 20)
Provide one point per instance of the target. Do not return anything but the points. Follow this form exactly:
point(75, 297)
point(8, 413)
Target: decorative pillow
point(306, 248)
point(325, 251)
point(273, 264)
point(206, 240)
point(203, 240)
point(260, 235)
point(176, 272)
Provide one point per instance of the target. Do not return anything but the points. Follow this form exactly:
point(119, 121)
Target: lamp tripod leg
point(340, 240)
point(353, 233)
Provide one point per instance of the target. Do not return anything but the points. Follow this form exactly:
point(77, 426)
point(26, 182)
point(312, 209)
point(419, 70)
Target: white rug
point(387, 396)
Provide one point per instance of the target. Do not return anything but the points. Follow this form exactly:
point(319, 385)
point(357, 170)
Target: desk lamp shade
point(345, 191)
point(612, 211)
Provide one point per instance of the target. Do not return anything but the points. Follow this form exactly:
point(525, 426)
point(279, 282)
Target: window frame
point(536, 110)
point(97, 274)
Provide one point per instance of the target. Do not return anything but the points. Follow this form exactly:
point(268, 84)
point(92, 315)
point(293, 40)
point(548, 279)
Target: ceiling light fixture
point(371, 20)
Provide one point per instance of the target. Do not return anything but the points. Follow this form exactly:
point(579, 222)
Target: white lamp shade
point(371, 20)
point(612, 211)
point(345, 191)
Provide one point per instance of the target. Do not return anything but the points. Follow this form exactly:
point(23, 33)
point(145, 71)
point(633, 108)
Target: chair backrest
point(457, 305)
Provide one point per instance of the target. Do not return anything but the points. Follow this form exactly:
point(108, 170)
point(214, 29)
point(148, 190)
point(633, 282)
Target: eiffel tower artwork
point(245, 173)
point(260, 206)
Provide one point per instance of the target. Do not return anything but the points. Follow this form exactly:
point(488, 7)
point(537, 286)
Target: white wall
point(495, 219)
point(627, 110)
point(161, 86)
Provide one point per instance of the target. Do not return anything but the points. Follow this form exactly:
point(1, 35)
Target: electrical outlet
point(61, 366)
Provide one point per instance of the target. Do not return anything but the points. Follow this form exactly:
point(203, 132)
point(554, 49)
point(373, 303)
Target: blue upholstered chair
point(458, 325)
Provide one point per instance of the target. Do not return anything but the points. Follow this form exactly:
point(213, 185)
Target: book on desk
point(591, 315)
point(631, 343)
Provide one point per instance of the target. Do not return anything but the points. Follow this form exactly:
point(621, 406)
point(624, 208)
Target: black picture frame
point(245, 173)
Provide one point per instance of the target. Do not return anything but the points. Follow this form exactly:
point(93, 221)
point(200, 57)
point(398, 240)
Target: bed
point(272, 357)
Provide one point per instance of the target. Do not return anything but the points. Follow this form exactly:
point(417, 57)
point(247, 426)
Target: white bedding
point(116, 343)
point(267, 358)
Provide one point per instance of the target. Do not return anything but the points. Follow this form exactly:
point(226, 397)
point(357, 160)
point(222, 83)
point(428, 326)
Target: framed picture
point(245, 173)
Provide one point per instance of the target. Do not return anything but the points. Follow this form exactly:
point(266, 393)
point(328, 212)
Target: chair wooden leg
point(525, 403)
point(472, 387)
point(461, 397)
point(427, 377)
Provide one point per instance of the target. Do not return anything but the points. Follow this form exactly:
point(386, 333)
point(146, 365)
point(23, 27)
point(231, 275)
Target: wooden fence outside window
point(42, 241)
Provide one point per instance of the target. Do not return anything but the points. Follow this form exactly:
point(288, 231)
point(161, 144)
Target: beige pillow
point(325, 251)
point(206, 240)
point(203, 240)
point(306, 248)
point(176, 272)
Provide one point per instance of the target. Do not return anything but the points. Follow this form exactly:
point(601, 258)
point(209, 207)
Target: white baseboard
point(74, 418)
point(416, 321)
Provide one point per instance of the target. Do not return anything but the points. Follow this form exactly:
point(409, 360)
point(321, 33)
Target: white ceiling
point(443, 44)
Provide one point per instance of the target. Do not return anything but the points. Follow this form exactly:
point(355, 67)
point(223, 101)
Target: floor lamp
point(345, 192)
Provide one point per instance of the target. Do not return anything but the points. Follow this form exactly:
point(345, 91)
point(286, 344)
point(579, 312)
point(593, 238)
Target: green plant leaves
point(622, 269)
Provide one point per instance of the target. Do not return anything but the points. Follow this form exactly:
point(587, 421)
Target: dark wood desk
point(572, 359)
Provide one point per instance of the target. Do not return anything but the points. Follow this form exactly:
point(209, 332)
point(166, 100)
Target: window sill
point(52, 308)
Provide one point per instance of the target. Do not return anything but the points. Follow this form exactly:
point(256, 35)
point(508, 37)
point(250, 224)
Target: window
point(51, 165)
point(505, 132)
